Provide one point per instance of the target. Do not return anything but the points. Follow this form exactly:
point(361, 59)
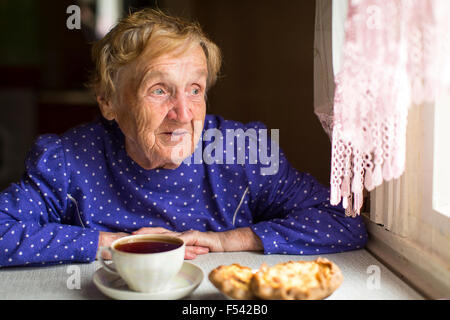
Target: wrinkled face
point(158, 104)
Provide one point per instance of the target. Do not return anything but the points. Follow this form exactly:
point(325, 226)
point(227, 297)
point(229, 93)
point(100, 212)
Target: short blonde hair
point(128, 39)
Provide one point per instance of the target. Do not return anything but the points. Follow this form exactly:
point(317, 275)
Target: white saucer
point(184, 283)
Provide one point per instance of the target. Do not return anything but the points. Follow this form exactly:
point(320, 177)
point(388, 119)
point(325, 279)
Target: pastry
point(233, 281)
point(292, 280)
point(297, 280)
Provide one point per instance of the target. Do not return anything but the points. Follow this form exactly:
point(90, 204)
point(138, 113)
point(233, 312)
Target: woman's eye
point(158, 91)
point(195, 91)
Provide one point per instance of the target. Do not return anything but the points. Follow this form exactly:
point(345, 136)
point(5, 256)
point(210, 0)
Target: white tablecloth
point(358, 267)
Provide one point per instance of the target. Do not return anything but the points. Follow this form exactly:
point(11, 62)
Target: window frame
point(420, 252)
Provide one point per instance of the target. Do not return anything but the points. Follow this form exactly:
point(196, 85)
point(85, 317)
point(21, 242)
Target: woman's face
point(158, 103)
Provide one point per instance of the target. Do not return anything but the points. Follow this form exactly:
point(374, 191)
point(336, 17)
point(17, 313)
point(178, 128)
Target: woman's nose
point(181, 110)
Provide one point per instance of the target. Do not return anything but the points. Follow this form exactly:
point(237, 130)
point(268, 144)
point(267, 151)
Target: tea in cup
point(146, 262)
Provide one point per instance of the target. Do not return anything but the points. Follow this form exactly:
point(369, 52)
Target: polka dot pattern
point(83, 182)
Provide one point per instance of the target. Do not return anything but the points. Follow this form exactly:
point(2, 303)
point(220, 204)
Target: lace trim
point(391, 60)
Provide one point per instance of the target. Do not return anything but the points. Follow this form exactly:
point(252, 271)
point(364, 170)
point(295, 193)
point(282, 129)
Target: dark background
point(267, 73)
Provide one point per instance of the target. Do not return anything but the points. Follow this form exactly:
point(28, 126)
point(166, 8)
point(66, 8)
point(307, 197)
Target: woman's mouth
point(179, 132)
point(175, 133)
point(174, 136)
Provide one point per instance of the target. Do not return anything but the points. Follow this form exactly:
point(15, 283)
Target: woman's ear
point(106, 107)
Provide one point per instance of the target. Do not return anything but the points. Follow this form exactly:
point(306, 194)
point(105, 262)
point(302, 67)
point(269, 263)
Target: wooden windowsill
point(422, 270)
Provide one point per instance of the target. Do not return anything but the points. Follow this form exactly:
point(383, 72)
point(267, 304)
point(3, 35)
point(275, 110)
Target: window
point(409, 218)
point(441, 166)
point(409, 222)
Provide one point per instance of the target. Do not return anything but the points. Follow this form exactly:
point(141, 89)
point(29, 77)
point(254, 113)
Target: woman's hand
point(198, 242)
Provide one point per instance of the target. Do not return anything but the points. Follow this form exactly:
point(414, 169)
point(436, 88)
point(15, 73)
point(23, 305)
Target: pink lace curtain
point(394, 56)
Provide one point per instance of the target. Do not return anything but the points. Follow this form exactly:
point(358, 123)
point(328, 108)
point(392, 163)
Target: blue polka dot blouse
point(83, 182)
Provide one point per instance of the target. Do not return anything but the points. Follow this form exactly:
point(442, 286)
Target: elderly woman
point(135, 170)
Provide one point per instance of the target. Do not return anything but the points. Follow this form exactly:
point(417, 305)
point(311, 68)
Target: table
point(358, 267)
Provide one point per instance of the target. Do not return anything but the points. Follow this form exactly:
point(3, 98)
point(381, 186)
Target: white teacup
point(145, 272)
